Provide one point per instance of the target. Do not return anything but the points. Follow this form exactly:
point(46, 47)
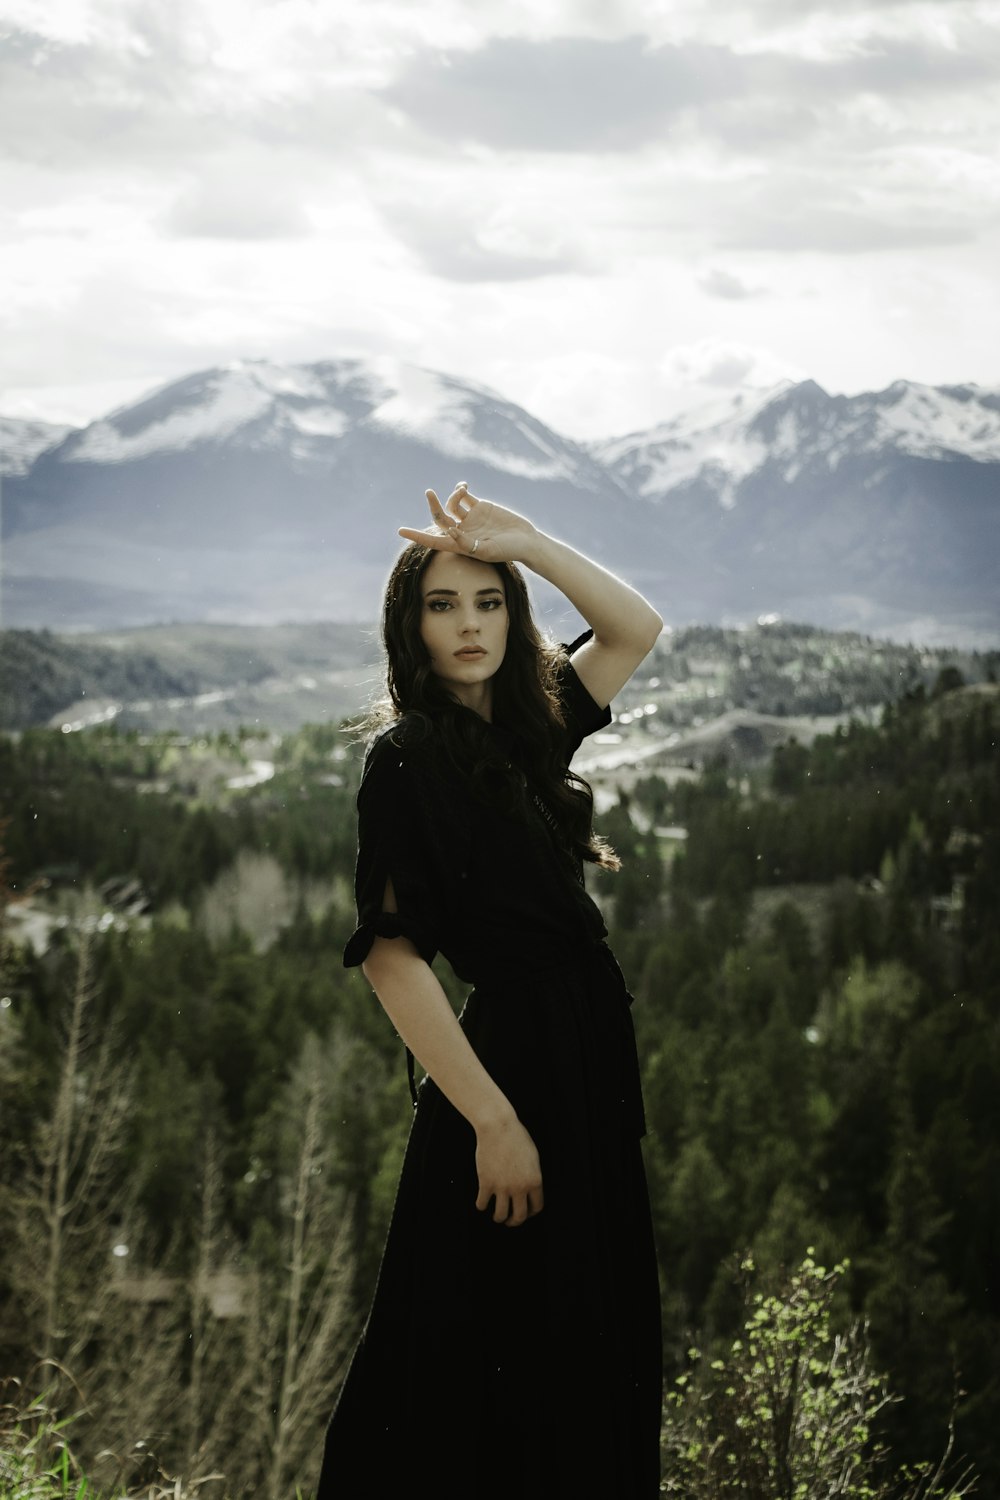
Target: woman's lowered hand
point(478, 528)
point(510, 1173)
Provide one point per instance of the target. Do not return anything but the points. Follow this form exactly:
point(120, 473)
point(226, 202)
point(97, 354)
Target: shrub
point(791, 1412)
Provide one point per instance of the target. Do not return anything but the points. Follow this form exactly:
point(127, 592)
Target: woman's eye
point(439, 605)
point(490, 603)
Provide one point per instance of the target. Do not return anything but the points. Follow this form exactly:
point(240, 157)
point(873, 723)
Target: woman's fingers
point(448, 514)
point(518, 1211)
point(458, 503)
point(448, 518)
point(430, 539)
point(511, 1209)
point(524, 1206)
point(446, 541)
point(437, 510)
point(509, 1172)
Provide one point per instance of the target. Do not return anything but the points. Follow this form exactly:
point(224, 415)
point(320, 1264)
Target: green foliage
point(93, 805)
point(817, 978)
point(790, 1410)
point(636, 887)
point(43, 673)
point(905, 787)
point(37, 1461)
point(786, 667)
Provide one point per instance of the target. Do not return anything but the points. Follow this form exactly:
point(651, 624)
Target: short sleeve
point(409, 832)
point(583, 716)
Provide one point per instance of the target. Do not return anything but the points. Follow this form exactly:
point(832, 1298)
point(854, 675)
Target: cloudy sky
point(607, 209)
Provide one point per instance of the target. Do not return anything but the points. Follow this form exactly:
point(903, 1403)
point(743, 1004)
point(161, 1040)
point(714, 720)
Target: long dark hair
point(525, 701)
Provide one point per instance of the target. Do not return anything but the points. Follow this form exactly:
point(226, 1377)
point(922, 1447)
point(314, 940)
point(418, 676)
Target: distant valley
point(193, 678)
point(705, 693)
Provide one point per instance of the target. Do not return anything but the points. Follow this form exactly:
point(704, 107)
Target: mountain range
point(261, 492)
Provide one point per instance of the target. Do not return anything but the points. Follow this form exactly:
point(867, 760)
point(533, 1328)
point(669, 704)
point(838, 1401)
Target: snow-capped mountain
point(22, 440)
point(794, 428)
point(302, 411)
point(879, 511)
point(262, 491)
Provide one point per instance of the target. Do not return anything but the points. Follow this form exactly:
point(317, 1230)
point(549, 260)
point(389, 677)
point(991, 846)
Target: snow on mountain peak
point(421, 404)
point(467, 422)
point(798, 425)
point(710, 441)
point(22, 439)
point(300, 410)
point(937, 421)
point(203, 408)
point(302, 381)
point(267, 405)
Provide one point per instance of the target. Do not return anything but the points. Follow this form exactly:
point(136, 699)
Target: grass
point(37, 1462)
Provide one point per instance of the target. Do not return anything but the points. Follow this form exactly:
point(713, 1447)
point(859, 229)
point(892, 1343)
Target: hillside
point(753, 688)
point(191, 677)
point(813, 951)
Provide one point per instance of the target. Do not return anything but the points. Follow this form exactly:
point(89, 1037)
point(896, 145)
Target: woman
point(513, 1345)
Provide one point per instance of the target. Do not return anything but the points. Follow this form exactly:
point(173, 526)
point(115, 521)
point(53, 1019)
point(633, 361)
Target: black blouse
point(491, 892)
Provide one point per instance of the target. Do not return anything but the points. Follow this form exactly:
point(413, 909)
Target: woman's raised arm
point(625, 625)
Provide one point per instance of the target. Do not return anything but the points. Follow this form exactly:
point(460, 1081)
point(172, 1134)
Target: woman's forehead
point(453, 570)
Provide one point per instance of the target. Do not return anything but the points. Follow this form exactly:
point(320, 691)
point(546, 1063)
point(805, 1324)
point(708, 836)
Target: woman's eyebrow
point(453, 593)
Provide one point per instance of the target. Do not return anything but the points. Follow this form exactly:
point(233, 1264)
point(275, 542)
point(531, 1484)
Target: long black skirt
point(521, 1361)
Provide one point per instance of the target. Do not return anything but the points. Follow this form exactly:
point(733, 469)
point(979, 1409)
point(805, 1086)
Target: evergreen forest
point(203, 1113)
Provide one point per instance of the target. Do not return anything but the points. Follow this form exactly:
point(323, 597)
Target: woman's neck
point(478, 696)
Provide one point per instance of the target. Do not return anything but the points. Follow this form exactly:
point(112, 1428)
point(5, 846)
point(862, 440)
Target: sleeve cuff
point(388, 924)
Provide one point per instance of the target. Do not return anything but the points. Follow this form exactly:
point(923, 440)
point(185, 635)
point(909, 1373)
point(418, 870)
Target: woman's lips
point(470, 652)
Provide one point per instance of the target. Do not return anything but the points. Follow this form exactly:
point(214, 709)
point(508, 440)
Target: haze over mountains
point(261, 492)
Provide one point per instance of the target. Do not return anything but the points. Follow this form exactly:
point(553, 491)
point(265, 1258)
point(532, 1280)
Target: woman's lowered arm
point(506, 1158)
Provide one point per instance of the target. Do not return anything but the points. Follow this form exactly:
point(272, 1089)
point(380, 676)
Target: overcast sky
point(607, 209)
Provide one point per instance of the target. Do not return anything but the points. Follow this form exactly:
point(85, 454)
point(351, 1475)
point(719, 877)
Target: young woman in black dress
point(513, 1344)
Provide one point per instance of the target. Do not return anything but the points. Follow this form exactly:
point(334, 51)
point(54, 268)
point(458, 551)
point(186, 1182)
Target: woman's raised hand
point(510, 1174)
point(478, 528)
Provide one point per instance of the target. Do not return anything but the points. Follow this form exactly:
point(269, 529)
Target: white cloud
point(580, 201)
point(573, 94)
point(716, 282)
point(721, 365)
point(581, 393)
point(236, 206)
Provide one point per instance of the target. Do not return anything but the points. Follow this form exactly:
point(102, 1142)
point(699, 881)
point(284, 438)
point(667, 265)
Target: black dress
point(500, 1361)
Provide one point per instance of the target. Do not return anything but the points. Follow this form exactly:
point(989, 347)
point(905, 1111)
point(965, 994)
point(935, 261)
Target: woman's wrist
point(495, 1113)
point(537, 551)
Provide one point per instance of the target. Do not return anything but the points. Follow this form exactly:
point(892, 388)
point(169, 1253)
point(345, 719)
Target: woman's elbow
point(644, 631)
point(652, 629)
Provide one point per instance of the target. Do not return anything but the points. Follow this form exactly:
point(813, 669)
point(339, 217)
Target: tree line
point(203, 1129)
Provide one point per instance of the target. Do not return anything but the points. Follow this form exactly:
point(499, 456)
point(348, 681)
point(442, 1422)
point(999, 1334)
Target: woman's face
point(463, 624)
